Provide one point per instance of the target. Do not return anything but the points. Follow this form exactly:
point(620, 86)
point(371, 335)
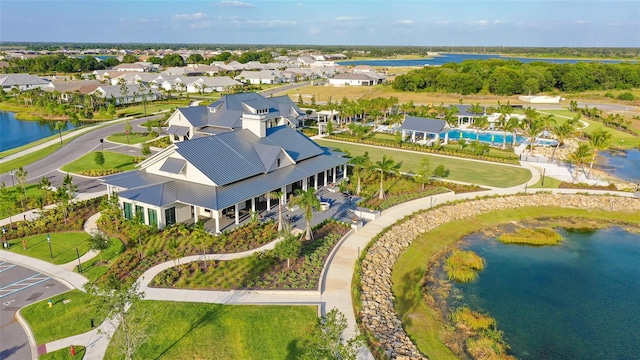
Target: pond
point(16, 132)
point(578, 300)
point(624, 165)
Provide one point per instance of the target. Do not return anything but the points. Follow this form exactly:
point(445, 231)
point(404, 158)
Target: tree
point(99, 242)
point(129, 59)
point(98, 158)
point(424, 173)
point(506, 122)
point(327, 342)
point(599, 140)
point(111, 110)
point(308, 202)
point(21, 176)
point(146, 149)
point(360, 164)
point(277, 195)
point(127, 129)
point(45, 184)
point(451, 116)
point(561, 132)
point(480, 123)
point(121, 302)
point(59, 127)
point(287, 248)
point(386, 165)
point(329, 128)
point(532, 125)
point(579, 156)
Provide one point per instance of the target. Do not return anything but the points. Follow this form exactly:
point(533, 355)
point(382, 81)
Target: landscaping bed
point(179, 241)
point(262, 270)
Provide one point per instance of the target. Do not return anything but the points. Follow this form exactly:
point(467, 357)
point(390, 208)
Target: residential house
point(22, 82)
point(171, 82)
point(261, 77)
point(210, 84)
point(220, 179)
point(356, 79)
point(131, 95)
point(136, 67)
point(67, 89)
point(227, 113)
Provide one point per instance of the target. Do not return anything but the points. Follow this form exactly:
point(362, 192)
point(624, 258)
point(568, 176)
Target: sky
point(590, 23)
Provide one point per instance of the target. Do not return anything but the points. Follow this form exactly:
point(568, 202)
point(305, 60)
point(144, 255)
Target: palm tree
point(578, 157)
point(561, 132)
point(386, 165)
point(547, 120)
point(599, 140)
point(450, 116)
point(277, 195)
point(480, 123)
point(360, 164)
point(532, 126)
point(476, 109)
point(308, 202)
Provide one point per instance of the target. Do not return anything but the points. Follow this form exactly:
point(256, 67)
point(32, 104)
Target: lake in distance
point(577, 300)
point(458, 58)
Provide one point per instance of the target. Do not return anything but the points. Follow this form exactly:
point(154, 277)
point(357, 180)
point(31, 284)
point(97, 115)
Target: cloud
point(443, 22)
point(190, 17)
point(579, 22)
point(481, 22)
point(271, 23)
point(347, 19)
point(235, 4)
point(404, 22)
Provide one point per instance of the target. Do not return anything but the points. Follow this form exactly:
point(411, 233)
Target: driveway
point(20, 287)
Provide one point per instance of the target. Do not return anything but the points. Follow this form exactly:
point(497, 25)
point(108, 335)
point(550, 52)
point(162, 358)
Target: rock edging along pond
point(377, 313)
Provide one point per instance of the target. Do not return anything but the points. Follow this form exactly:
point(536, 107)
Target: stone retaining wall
point(378, 314)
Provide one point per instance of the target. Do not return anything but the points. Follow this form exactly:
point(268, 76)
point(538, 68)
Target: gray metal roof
point(224, 158)
point(267, 153)
point(465, 110)
point(195, 115)
point(173, 165)
point(297, 145)
point(178, 130)
point(133, 179)
point(219, 198)
point(432, 126)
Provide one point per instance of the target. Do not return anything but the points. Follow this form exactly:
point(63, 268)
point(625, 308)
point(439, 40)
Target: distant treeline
point(371, 51)
point(509, 77)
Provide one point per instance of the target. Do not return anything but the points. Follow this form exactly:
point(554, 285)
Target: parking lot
point(20, 286)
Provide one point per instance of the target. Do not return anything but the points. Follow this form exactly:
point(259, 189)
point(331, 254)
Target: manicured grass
point(211, 331)
point(62, 320)
point(134, 138)
point(31, 157)
point(99, 265)
point(528, 236)
point(113, 160)
point(422, 324)
point(152, 107)
point(564, 115)
point(63, 246)
point(65, 354)
point(481, 173)
point(549, 183)
point(15, 193)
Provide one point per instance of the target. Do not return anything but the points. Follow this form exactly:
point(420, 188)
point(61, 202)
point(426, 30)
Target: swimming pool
point(494, 137)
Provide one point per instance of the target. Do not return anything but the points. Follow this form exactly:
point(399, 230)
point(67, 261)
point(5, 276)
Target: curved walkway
point(336, 283)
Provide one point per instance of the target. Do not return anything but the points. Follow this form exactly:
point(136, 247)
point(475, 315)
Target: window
point(128, 211)
point(140, 213)
point(170, 216)
point(153, 217)
point(278, 162)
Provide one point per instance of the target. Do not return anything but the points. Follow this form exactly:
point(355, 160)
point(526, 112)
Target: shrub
point(528, 236)
point(463, 266)
point(472, 319)
point(627, 95)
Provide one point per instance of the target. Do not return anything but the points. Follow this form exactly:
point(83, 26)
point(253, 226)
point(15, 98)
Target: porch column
point(305, 184)
point(268, 201)
point(284, 195)
point(195, 214)
point(315, 181)
point(437, 137)
point(325, 176)
point(344, 171)
point(217, 218)
point(237, 213)
point(413, 136)
point(403, 133)
point(253, 204)
point(446, 138)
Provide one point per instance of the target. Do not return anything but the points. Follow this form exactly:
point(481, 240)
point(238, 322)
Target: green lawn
point(112, 161)
point(211, 331)
point(65, 354)
point(62, 320)
point(461, 170)
point(421, 323)
point(99, 265)
point(549, 183)
point(63, 246)
point(134, 138)
point(31, 157)
point(564, 115)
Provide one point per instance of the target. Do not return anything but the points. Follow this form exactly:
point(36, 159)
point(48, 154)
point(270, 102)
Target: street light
point(102, 144)
point(49, 241)
point(12, 182)
point(4, 234)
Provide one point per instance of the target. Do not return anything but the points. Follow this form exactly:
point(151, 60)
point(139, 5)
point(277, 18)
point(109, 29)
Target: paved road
point(73, 150)
point(20, 287)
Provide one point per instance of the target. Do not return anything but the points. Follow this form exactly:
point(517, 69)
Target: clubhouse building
point(225, 160)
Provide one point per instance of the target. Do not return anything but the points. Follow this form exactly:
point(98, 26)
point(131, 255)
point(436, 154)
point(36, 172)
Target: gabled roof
point(465, 110)
point(267, 153)
point(298, 146)
point(71, 85)
point(21, 79)
point(178, 130)
point(431, 126)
